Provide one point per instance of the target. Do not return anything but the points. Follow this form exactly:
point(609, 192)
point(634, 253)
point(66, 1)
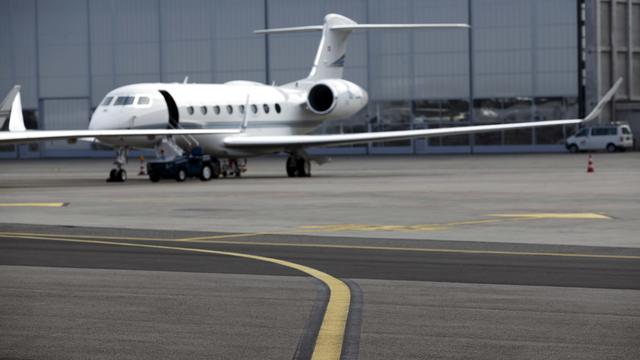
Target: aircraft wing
point(301, 141)
point(17, 137)
point(18, 134)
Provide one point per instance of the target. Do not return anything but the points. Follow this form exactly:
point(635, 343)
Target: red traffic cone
point(142, 167)
point(590, 168)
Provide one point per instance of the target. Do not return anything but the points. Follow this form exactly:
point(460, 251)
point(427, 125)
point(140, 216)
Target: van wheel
point(154, 177)
point(181, 175)
point(573, 148)
point(611, 148)
point(206, 173)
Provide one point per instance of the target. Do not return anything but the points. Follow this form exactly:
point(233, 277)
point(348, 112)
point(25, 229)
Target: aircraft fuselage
point(267, 110)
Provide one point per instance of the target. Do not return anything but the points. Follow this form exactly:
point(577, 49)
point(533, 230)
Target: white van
point(611, 138)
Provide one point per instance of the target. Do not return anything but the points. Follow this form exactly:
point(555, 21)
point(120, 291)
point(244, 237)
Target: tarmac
point(445, 257)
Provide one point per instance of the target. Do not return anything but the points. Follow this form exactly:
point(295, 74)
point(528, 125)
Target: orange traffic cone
point(142, 167)
point(590, 168)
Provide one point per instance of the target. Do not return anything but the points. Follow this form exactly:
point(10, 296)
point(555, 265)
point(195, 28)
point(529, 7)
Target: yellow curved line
point(33, 204)
point(331, 246)
point(330, 337)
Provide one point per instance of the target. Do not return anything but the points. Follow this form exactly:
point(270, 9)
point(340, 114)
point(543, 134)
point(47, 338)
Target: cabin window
point(190, 110)
point(203, 110)
point(124, 100)
point(265, 107)
point(254, 109)
point(241, 109)
point(229, 109)
point(143, 100)
point(278, 108)
point(107, 100)
point(216, 110)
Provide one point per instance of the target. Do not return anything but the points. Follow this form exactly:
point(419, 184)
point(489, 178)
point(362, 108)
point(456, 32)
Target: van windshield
point(626, 131)
point(582, 132)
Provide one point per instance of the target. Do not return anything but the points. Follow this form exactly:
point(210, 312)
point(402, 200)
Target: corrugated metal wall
point(84, 48)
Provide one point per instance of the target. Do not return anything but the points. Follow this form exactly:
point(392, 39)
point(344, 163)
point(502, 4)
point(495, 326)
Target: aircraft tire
point(292, 167)
point(303, 167)
point(121, 175)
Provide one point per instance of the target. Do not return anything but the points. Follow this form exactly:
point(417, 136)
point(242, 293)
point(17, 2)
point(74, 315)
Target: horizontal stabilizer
point(290, 29)
point(352, 27)
point(399, 26)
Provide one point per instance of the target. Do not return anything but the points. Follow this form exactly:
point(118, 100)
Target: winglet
point(12, 106)
point(605, 99)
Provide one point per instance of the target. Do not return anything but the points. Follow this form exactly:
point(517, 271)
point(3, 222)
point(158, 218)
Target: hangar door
point(65, 114)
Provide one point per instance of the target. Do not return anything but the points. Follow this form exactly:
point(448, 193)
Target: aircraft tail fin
point(11, 108)
point(331, 54)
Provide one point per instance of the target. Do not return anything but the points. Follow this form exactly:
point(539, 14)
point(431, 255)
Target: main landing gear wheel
point(298, 166)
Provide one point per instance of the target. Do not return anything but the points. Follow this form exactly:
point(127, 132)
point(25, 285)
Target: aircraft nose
point(97, 119)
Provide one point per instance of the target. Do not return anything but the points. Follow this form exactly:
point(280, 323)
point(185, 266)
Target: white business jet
point(240, 119)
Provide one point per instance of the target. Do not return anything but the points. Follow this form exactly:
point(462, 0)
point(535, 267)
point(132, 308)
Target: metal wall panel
point(291, 55)
point(125, 44)
point(420, 63)
point(63, 48)
point(238, 53)
point(502, 48)
point(18, 56)
point(186, 40)
point(7, 69)
point(65, 114)
point(555, 48)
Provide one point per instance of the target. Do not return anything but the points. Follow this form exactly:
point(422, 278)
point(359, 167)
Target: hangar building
point(523, 60)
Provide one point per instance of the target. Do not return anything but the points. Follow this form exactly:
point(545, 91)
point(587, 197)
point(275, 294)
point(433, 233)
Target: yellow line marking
point(366, 247)
point(331, 335)
point(213, 237)
point(197, 239)
point(500, 218)
point(570, 216)
point(33, 204)
point(20, 234)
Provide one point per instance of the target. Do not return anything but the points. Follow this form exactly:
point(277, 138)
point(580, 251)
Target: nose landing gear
point(118, 174)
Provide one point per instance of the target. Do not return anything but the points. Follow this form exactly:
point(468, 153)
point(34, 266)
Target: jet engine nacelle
point(340, 98)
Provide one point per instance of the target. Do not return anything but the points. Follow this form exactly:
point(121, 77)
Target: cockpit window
point(143, 100)
point(124, 100)
point(107, 101)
